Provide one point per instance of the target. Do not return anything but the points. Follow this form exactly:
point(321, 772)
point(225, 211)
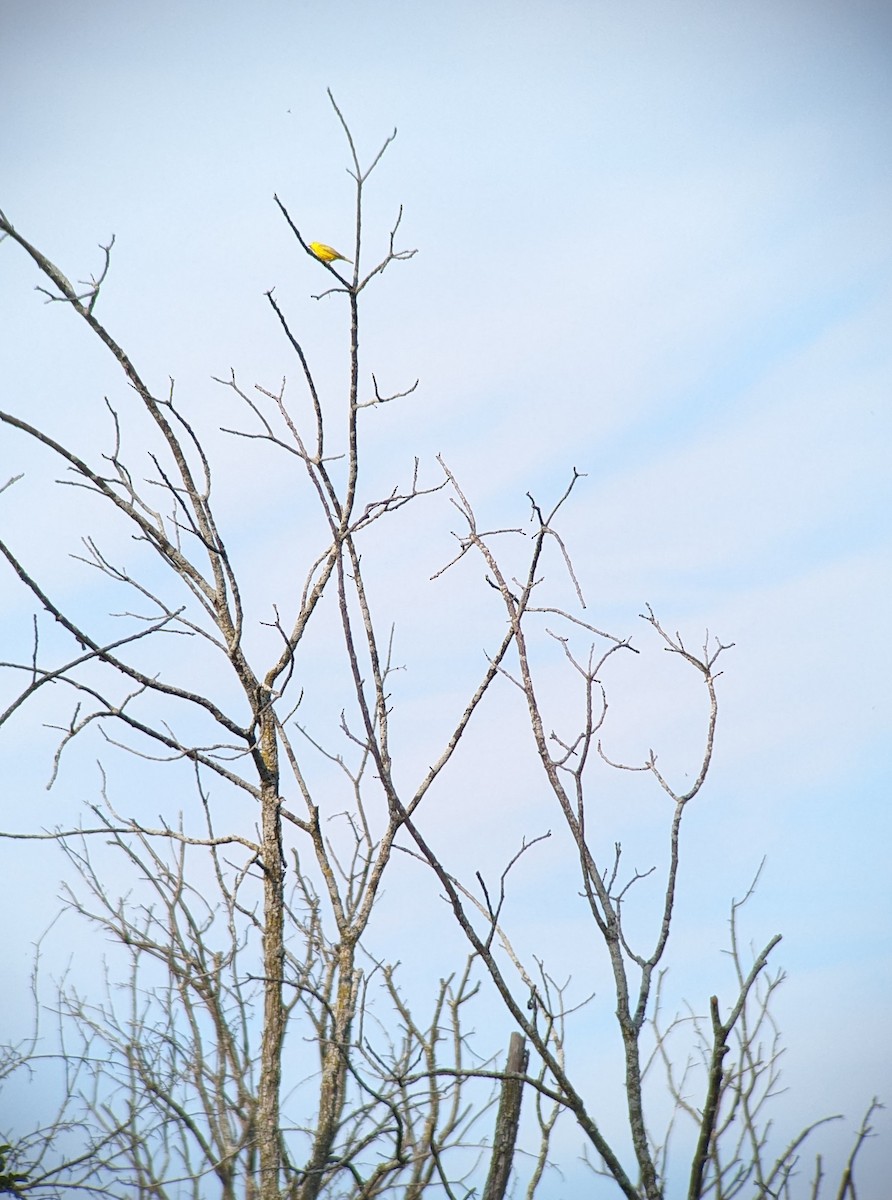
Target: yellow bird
point(327, 254)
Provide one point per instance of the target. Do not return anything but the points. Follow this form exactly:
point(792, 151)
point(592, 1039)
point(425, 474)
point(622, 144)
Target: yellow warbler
point(326, 253)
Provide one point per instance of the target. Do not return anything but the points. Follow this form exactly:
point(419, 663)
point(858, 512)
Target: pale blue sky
point(654, 244)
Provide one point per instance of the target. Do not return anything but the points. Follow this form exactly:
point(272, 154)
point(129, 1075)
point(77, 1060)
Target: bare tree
point(248, 933)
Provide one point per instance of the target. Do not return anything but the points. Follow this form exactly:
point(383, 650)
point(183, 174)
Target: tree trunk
point(268, 1132)
point(507, 1120)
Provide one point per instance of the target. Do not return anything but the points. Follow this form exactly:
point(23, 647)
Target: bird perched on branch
point(327, 254)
